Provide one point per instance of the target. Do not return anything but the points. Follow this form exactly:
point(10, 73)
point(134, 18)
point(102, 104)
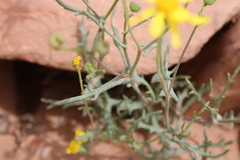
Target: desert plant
point(156, 108)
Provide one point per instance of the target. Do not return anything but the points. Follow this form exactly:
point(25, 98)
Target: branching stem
point(85, 101)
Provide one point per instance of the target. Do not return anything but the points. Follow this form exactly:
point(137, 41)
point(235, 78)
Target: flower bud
point(134, 7)
point(102, 47)
point(57, 41)
point(136, 145)
point(88, 67)
point(77, 63)
point(209, 2)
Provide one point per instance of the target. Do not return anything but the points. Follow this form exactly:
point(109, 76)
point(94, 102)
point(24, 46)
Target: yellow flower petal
point(157, 25)
point(77, 62)
point(168, 13)
point(78, 133)
point(73, 147)
point(176, 38)
point(182, 15)
point(167, 6)
point(151, 1)
point(144, 15)
point(185, 1)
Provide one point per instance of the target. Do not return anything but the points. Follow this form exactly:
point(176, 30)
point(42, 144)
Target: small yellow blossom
point(77, 63)
point(75, 145)
point(78, 133)
point(168, 13)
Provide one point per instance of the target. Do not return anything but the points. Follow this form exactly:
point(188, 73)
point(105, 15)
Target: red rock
point(27, 25)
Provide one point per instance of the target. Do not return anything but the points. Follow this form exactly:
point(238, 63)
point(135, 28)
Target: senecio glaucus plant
point(158, 108)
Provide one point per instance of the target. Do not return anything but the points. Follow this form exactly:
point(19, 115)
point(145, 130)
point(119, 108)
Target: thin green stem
point(94, 19)
point(195, 117)
point(85, 101)
point(184, 51)
point(68, 7)
point(132, 68)
point(149, 44)
point(111, 9)
point(126, 15)
point(136, 25)
point(155, 40)
point(117, 41)
point(125, 49)
point(109, 69)
point(181, 58)
point(91, 9)
point(230, 82)
point(202, 121)
point(139, 51)
point(163, 82)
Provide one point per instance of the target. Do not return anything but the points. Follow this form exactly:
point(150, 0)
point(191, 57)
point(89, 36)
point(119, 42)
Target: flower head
point(75, 145)
point(77, 63)
point(168, 13)
point(79, 133)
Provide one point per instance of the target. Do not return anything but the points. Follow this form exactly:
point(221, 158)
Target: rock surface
point(27, 25)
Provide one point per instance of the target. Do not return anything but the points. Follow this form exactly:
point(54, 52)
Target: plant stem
point(125, 43)
point(230, 82)
point(181, 57)
point(91, 9)
point(138, 53)
point(184, 50)
point(163, 82)
point(93, 18)
point(109, 69)
point(85, 101)
point(126, 15)
point(132, 68)
point(155, 40)
point(68, 7)
point(111, 9)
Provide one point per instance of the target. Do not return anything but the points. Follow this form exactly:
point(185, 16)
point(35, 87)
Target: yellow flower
point(75, 145)
point(78, 133)
point(77, 63)
point(168, 13)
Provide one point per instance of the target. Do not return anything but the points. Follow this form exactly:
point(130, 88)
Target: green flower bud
point(83, 150)
point(57, 41)
point(134, 7)
point(209, 2)
point(88, 67)
point(102, 47)
point(136, 145)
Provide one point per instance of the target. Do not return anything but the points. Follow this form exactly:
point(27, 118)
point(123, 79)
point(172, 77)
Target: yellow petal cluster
point(168, 13)
point(79, 133)
point(77, 63)
point(75, 145)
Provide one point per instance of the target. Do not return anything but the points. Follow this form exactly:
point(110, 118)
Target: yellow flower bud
point(77, 63)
